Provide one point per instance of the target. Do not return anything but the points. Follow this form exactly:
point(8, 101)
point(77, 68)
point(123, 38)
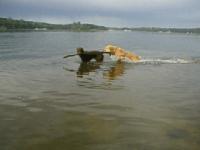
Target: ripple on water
point(178, 134)
point(34, 109)
point(60, 94)
point(14, 101)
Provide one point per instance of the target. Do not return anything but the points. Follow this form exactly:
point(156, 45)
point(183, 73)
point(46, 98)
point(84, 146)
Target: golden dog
point(121, 54)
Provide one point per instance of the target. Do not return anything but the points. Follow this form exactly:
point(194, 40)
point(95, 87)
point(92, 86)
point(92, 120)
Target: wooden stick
point(70, 55)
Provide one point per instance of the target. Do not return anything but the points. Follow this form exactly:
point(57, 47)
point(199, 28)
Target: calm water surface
point(48, 103)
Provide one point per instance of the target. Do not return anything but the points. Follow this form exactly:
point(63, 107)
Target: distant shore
point(13, 25)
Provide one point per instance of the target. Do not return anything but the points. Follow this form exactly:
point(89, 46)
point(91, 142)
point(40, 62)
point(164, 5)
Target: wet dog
point(87, 56)
point(121, 54)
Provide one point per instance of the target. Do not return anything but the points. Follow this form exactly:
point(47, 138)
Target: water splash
point(164, 60)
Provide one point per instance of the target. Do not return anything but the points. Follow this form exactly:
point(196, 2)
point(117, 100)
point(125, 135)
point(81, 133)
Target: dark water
point(47, 102)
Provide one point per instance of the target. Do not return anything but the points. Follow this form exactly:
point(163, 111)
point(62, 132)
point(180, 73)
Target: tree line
point(9, 24)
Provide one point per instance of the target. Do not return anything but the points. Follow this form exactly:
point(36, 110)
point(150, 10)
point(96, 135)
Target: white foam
point(114, 58)
point(158, 60)
point(165, 61)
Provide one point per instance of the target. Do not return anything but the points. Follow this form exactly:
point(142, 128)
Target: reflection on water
point(86, 68)
point(95, 75)
point(152, 105)
point(115, 70)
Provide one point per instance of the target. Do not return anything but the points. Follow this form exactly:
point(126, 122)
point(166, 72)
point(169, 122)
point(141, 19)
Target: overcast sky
point(118, 13)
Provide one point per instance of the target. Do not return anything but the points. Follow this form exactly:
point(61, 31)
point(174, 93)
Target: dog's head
point(110, 48)
point(79, 50)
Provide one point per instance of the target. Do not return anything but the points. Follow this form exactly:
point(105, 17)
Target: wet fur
point(121, 54)
point(87, 56)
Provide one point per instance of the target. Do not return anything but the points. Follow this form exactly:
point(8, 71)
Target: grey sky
point(163, 13)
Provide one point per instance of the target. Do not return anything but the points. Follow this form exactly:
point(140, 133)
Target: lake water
point(51, 103)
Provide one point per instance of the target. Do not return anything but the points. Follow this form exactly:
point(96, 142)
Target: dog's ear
point(79, 50)
point(110, 48)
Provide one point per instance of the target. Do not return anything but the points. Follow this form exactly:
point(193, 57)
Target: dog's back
point(86, 56)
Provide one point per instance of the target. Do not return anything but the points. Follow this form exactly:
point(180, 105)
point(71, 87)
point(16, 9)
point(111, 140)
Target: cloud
point(110, 12)
point(117, 5)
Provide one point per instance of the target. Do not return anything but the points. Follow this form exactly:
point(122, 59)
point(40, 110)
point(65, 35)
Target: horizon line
point(128, 27)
